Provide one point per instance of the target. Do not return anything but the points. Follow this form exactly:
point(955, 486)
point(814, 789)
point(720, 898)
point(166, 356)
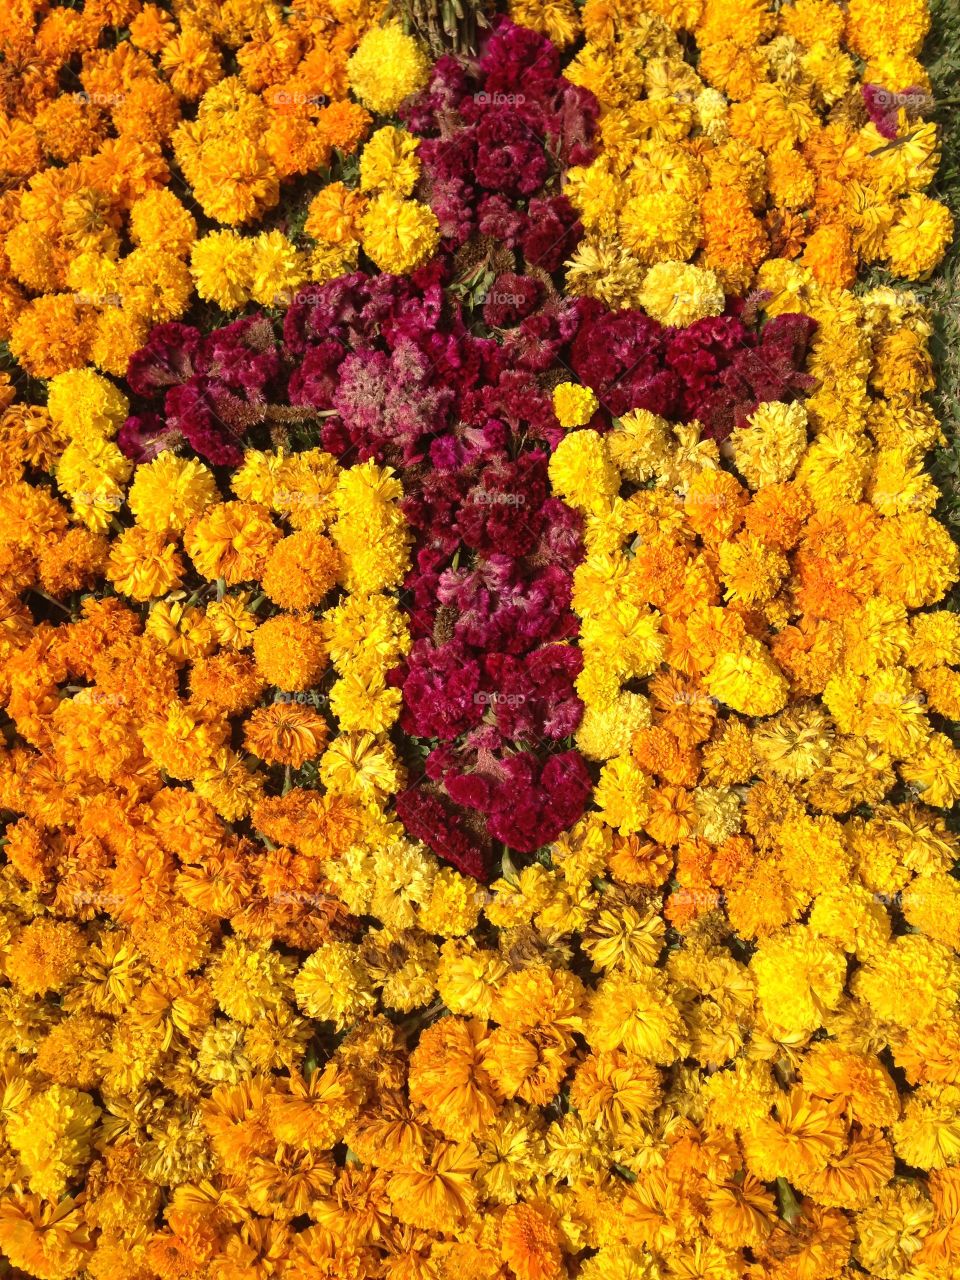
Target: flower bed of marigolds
point(479, 684)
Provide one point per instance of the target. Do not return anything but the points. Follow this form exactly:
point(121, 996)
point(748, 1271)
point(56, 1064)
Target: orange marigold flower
point(286, 733)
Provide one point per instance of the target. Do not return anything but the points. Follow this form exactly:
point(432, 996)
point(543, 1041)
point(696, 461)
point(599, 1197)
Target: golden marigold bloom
point(678, 294)
point(918, 239)
point(43, 1238)
point(448, 1079)
point(44, 956)
point(144, 565)
point(574, 405)
point(168, 492)
point(231, 540)
point(638, 1016)
point(290, 651)
point(387, 67)
point(389, 162)
point(222, 264)
point(286, 733)
point(300, 570)
point(51, 1134)
point(85, 405)
point(335, 214)
point(766, 451)
point(399, 235)
point(530, 1243)
point(334, 986)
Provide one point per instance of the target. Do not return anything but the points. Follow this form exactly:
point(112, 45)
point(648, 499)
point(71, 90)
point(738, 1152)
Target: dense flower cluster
point(115, 188)
point(479, 723)
point(776, 143)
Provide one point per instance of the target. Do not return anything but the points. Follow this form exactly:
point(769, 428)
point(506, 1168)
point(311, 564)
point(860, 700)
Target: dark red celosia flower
point(170, 356)
point(428, 819)
point(511, 298)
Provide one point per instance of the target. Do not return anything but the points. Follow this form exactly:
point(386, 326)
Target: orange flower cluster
point(124, 123)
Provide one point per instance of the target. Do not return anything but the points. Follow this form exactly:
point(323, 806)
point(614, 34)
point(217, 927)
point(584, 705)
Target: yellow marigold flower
point(51, 334)
point(222, 264)
point(934, 771)
point(797, 1141)
point(249, 980)
point(678, 294)
point(185, 633)
point(363, 702)
point(799, 977)
point(582, 473)
point(891, 1231)
point(748, 680)
point(232, 621)
point(919, 237)
point(901, 25)
point(750, 570)
point(226, 782)
point(116, 336)
point(399, 235)
point(734, 241)
point(44, 956)
point(621, 795)
point(158, 220)
point(180, 743)
point(530, 1243)
point(573, 404)
point(334, 985)
point(640, 445)
point(290, 651)
point(279, 269)
point(639, 1016)
point(231, 540)
point(52, 1135)
point(830, 256)
point(932, 904)
point(656, 225)
point(767, 450)
point(167, 493)
point(191, 61)
point(328, 261)
point(155, 284)
point(85, 405)
point(927, 1136)
point(389, 162)
point(934, 639)
point(914, 560)
point(609, 731)
point(92, 474)
point(362, 764)
point(604, 269)
point(143, 564)
point(387, 67)
point(558, 20)
point(813, 22)
point(912, 982)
